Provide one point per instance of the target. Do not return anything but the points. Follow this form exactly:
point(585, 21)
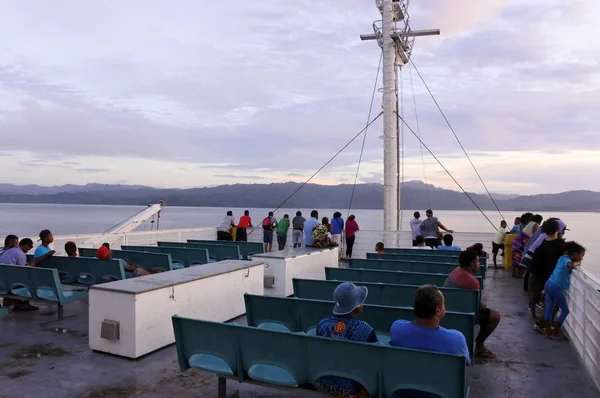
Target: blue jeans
point(555, 295)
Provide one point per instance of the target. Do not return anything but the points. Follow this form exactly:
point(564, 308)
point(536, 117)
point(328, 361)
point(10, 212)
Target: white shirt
point(421, 247)
point(226, 225)
point(415, 227)
point(500, 237)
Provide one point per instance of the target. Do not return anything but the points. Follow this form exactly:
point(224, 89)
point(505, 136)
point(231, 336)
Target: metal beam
point(414, 33)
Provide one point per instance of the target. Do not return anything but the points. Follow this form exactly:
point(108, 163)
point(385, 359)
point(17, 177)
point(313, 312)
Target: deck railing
point(583, 322)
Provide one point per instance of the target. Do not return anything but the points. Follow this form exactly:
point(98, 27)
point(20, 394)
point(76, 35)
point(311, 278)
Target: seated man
point(448, 240)
point(131, 270)
point(462, 278)
point(420, 243)
point(425, 332)
point(379, 248)
point(71, 249)
point(349, 300)
point(43, 251)
point(18, 256)
point(9, 242)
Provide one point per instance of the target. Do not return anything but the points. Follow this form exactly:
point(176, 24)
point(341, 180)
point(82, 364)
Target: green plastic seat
point(295, 360)
point(183, 255)
point(216, 251)
point(247, 249)
point(456, 300)
point(148, 261)
point(84, 270)
point(393, 277)
point(431, 267)
point(3, 312)
point(272, 374)
point(273, 326)
point(303, 315)
point(210, 363)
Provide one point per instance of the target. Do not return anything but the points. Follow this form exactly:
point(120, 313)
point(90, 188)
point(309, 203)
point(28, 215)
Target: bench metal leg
point(222, 387)
point(59, 318)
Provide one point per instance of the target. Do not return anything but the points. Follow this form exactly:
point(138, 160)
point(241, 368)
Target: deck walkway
point(56, 361)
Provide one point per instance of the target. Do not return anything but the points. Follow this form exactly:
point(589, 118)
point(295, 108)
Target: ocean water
point(29, 219)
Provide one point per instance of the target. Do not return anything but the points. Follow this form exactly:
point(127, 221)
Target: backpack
point(267, 223)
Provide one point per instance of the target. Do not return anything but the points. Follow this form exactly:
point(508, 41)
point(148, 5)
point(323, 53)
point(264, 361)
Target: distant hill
point(367, 196)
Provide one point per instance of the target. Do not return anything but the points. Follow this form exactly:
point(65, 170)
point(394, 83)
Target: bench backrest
point(84, 270)
point(407, 265)
point(301, 315)
point(382, 370)
point(185, 256)
point(40, 283)
point(457, 300)
point(215, 252)
point(148, 261)
point(393, 277)
point(247, 249)
point(451, 255)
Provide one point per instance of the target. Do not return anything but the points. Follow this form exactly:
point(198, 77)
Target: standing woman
point(351, 228)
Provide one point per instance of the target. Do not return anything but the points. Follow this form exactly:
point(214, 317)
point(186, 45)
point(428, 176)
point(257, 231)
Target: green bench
point(247, 249)
point(215, 252)
point(148, 261)
point(181, 256)
point(451, 255)
point(303, 315)
point(296, 360)
point(35, 283)
point(457, 300)
point(432, 267)
point(393, 277)
point(84, 270)
point(3, 312)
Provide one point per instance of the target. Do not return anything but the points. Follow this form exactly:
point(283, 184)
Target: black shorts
point(484, 316)
point(496, 248)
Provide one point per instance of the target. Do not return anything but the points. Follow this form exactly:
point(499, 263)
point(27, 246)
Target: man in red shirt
point(462, 278)
point(245, 223)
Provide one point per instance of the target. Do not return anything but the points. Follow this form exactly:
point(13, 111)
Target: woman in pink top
point(351, 228)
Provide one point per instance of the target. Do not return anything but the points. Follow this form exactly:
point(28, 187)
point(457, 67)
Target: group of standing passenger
point(310, 232)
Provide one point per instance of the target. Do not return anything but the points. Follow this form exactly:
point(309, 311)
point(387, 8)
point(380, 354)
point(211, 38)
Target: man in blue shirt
point(309, 227)
point(447, 246)
point(349, 300)
point(425, 332)
point(43, 251)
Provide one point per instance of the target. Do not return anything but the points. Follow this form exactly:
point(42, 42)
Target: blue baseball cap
point(348, 297)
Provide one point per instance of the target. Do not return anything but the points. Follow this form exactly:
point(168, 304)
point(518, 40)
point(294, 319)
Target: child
point(559, 282)
point(379, 248)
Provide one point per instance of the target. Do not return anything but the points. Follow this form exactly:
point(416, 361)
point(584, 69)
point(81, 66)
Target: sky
point(202, 93)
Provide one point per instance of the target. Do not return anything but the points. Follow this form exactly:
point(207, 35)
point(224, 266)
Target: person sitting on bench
point(425, 332)
point(18, 256)
point(131, 270)
point(342, 325)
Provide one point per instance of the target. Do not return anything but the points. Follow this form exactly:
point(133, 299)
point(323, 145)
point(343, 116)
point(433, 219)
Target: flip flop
point(487, 354)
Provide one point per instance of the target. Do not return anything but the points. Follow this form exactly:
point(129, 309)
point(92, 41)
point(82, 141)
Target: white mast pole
point(390, 122)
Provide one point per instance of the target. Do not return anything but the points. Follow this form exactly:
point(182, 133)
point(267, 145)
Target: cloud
point(166, 96)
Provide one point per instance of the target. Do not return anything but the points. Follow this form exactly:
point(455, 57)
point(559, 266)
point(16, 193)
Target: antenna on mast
point(396, 39)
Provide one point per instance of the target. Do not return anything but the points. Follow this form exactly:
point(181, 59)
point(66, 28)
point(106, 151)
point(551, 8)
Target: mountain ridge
point(415, 195)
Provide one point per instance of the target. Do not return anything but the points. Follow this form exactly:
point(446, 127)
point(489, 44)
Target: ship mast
point(396, 39)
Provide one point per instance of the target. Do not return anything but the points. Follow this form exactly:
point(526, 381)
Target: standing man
point(431, 230)
point(282, 231)
point(499, 240)
point(415, 227)
point(268, 224)
point(43, 251)
point(298, 233)
point(309, 227)
point(337, 227)
point(243, 225)
point(224, 230)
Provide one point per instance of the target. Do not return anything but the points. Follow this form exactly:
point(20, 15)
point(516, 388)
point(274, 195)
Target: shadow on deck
point(56, 361)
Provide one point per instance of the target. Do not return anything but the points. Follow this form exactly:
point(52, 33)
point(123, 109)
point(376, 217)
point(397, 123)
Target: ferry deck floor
point(57, 362)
